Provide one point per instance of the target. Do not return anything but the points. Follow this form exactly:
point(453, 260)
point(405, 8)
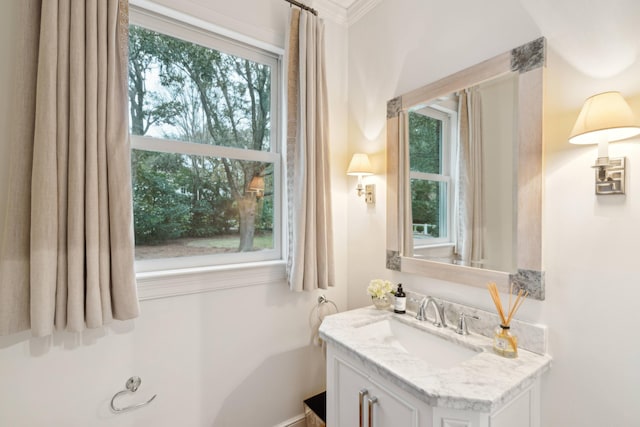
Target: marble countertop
point(482, 383)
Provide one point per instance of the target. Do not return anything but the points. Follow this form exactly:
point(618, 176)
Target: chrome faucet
point(439, 319)
point(462, 323)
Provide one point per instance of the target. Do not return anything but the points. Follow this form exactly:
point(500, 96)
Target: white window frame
point(186, 275)
point(448, 147)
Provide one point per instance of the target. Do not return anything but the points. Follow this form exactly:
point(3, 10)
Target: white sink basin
point(436, 351)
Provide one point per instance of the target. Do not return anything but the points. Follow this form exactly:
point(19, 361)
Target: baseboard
point(297, 421)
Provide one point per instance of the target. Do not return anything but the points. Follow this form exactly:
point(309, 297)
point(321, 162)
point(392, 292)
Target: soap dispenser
point(400, 301)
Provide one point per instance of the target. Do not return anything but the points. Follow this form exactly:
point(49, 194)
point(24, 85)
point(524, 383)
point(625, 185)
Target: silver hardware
point(323, 300)
point(609, 175)
point(370, 194)
point(372, 401)
point(462, 324)
point(439, 319)
point(132, 386)
point(361, 394)
point(421, 315)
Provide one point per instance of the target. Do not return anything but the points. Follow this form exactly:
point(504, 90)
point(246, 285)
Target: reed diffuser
point(505, 343)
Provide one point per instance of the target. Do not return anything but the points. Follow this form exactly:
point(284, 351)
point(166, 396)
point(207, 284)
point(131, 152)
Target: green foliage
point(425, 204)
point(264, 222)
point(211, 217)
point(425, 139)
point(160, 210)
point(183, 91)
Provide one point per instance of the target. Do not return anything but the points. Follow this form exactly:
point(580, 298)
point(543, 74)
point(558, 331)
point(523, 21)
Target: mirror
point(464, 165)
point(461, 176)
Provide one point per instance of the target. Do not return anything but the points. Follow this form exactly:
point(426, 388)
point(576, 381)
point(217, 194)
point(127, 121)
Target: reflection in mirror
point(464, 175)
point(461, 160)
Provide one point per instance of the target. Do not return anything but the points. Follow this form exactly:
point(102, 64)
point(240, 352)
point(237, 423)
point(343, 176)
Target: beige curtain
point(310, 255)
point(470, 227)
point(67, 249)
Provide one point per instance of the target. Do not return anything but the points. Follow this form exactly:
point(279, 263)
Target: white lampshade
point(360, 165)
point(604, 117)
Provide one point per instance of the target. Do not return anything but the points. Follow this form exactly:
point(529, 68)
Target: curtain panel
point(310, 263)
point(67, 255)
point(470, 229)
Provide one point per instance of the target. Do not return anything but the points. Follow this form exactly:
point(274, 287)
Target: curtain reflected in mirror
point(469, 246)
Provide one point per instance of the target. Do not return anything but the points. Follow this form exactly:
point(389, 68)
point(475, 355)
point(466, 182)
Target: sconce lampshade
point(360, 165)
point(604, 117)
point(257, 184)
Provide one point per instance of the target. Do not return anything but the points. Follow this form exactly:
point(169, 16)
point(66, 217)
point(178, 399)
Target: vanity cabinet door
point(523, 411)
point(388, 408)
point(445, 417)
point(349, 384)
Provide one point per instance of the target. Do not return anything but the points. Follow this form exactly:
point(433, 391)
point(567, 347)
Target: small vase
point(381, 303)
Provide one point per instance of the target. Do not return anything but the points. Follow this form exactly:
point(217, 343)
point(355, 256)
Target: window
point(430, 148)
point(206, 166)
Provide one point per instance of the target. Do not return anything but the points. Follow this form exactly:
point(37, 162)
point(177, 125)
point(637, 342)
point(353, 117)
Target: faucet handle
point(462, 323)
point(421, 312)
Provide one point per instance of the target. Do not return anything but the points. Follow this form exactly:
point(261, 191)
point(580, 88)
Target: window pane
point(187, 205)
point(186, 92)
point(429, 209)
point(425, 143)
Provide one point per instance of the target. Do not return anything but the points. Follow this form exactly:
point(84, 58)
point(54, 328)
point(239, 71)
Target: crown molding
point(344, 12)
point(359, 8)
point(343, 3)
point(331, 10)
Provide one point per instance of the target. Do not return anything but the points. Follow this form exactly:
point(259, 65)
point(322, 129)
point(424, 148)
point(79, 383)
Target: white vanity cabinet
point(357, 396)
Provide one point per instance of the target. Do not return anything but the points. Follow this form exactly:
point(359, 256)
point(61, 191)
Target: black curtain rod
point(303, 6)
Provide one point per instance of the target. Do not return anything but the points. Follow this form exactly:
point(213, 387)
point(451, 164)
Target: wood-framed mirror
point(464, 175)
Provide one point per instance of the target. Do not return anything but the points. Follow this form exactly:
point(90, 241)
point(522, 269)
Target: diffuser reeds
point(506, 319)
point(506, 344)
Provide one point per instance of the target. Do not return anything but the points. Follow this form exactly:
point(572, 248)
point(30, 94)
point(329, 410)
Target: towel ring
point(323, 300)
point(132, 386)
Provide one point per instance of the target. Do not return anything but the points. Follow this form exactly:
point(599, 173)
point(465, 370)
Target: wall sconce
point(604, 118)
point(360, 166)
point(256, 185)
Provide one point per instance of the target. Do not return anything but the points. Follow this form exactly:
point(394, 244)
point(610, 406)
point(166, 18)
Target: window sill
point(437, 250)
point(436, 246)
point(169, 283)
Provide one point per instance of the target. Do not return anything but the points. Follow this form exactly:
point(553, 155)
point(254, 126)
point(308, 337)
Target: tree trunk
point(247, 206)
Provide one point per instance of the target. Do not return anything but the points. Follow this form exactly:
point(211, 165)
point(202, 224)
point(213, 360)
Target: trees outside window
point(202, 126)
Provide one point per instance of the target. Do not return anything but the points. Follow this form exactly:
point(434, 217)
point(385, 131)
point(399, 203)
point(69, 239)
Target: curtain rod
point(303, 6)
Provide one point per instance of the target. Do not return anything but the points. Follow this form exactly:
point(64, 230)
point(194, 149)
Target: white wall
point(499, 103)
point(239, 357)
point(589, 243)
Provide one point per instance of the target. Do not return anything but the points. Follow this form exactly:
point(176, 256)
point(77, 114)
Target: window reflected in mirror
point(431, 142)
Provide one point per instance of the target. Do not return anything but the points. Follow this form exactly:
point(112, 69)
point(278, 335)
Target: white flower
point(378, 288)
